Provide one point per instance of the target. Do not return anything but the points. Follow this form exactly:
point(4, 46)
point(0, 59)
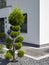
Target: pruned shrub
point(19, 39)
point(15, 28)
point(14, 34)
point(10, 51)
point(8, 45)
point(8, 40)
point(8, 55)
point(16, 17)
point(18, 45)
point(20, 53)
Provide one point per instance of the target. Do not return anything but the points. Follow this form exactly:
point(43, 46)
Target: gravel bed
point(24, 61)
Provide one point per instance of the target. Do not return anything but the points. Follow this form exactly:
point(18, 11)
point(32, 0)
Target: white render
point(37, 19)
point(32, 9)
point(44, 21)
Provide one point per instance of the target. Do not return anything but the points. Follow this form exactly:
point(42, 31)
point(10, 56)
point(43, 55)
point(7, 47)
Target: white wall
point(44, 21)
point(31, 7)
point(38, 30)
point(5, 13)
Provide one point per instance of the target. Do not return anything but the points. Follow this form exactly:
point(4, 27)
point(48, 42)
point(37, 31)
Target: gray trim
point(6, 7)
point(31, 45)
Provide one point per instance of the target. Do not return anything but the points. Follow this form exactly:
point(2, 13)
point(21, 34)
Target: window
point(24, 26)
point(1, 24)
point(2, 3)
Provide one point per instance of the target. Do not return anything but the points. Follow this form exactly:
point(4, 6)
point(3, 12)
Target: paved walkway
point(36, 52)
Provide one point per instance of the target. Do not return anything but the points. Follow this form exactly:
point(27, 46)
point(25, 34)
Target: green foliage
point(16, 17)
point(19, 39)
point(10, 51)
point(8, 45)
point(8, 40)
point(8, 55)
point(15, 28)
point(14, 34)
point(20, 53)
point(18, 45)
point(2, 35)
point(1, 48)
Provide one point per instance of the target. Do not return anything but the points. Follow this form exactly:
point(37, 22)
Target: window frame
point(25, 23)
point(2, 3)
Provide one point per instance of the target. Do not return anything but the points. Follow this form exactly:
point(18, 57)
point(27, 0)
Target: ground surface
point(35, 52)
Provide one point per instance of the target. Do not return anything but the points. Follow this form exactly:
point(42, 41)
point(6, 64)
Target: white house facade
point(35, 30)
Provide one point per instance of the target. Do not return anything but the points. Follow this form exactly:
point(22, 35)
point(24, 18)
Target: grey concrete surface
point(36, 52)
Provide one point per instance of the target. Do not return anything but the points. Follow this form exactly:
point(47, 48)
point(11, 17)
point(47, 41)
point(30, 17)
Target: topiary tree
point(16, 19)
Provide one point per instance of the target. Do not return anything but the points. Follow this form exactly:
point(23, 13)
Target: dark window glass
point(2, 3)
point(1, 24)
point(24, 26)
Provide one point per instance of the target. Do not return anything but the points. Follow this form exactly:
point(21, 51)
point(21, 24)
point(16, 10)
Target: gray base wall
point(31, 44)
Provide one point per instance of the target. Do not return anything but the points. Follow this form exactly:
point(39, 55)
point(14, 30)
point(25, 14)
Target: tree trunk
point(13, 51)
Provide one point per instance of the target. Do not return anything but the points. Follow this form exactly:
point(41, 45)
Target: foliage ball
point(16, 17)
point(19, 39)
point(10, 51)
point(9, 46)
point(14, 34)
point(15, 28)
point(8, 40)
point(18, 45)
point(8, 55)
point(20, 53)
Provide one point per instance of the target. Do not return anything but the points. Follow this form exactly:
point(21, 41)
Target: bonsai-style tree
point(16, 19)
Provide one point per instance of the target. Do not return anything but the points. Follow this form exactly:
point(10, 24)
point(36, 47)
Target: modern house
point(35, 29)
